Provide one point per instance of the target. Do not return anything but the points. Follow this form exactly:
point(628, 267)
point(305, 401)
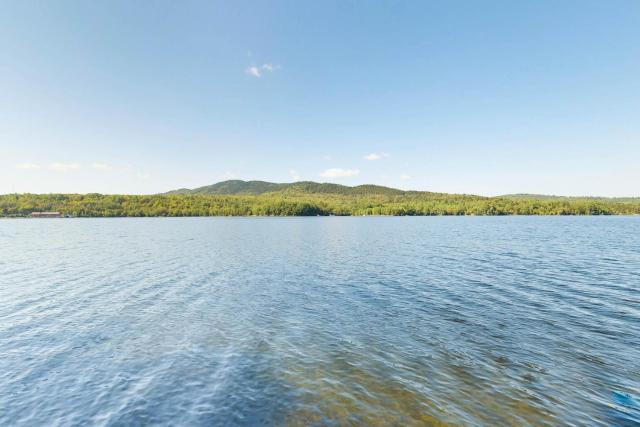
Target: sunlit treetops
point(242, 198)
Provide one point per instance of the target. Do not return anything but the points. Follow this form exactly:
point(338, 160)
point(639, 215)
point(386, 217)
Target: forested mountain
point(234, 186)
point(307, 187)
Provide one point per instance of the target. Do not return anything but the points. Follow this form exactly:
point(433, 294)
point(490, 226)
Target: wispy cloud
point(143, 176)
point(253, 71)
point(63, 167)
point(327, 157)
point(375, 156)
point(101, 167)
point(405, 177)
point(294, 175)
point(27, 165)
point(258, 70)
point(270, 67)
point(339, 173)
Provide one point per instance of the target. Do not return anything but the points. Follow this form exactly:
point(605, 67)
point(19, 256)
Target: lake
point(320, 321)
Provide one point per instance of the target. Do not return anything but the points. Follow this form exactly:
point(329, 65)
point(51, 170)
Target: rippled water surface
point(320, 321)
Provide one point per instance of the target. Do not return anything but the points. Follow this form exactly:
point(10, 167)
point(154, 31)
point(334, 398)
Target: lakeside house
point(46, 215)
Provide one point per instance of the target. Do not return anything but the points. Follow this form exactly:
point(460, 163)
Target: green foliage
point(546, 197)
point(261, 187)
point(295, 202)
point(234, 186)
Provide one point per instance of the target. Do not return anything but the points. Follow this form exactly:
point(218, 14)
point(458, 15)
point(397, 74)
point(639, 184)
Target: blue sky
point(486, 97)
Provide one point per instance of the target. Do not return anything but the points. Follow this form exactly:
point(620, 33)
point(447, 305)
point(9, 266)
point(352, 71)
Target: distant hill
point(234, 186)
point(303, 187)
point(239, 187)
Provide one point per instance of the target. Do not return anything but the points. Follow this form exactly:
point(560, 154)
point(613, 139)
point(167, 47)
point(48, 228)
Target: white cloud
point(27, 166)
point(258, 70)
point(101, 166)
point(375, 156)
point(339, 173)
point(294, 175)
point(253, 71)
point(405, 176)
point(143, 176)
point(327, 157)
point(63, 167)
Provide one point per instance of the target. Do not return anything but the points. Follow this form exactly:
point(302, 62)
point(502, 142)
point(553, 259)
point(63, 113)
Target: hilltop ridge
point(237, 186)
point(256, 187)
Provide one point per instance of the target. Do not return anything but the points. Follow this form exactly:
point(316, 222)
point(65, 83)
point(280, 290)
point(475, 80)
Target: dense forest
point(306, 199)
point(236, 186)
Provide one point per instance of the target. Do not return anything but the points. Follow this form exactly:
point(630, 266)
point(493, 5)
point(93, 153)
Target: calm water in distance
point(320, 321)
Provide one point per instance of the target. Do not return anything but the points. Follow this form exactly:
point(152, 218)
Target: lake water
point(320, 321)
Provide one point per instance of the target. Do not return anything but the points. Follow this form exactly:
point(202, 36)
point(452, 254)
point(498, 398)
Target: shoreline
point(324, 216)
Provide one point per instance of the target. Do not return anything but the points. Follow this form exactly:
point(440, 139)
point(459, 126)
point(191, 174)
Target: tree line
point(284, 204)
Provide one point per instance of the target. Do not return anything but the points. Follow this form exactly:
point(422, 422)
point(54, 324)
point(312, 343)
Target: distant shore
point(28, 218)
point(305, 204)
